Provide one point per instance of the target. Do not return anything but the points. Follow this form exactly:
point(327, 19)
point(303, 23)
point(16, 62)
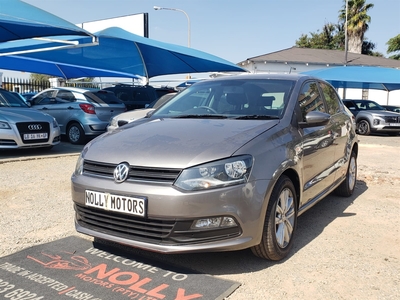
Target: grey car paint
point(274, 143)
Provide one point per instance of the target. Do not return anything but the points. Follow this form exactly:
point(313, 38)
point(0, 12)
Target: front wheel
point(75, 134)
point(280, 222)
point(363, 127)
point(346, 188)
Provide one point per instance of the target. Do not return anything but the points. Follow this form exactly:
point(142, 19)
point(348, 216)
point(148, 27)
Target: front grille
point(392, 119)
point(23, 128)
point(162, 175)
point(155, 231)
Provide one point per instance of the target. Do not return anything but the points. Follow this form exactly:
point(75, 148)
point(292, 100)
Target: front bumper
point(170, 214)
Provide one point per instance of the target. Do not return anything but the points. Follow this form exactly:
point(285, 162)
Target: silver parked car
point(80, 112)
point(227, 164)
point(23, 127)
point(371, 117)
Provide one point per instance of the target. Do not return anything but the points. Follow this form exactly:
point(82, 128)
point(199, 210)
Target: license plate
point(130, 205)
point(394, 124)
point(35, 136)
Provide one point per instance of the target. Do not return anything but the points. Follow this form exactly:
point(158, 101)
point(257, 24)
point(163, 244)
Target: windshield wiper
point(200, 117)
point(255, 117)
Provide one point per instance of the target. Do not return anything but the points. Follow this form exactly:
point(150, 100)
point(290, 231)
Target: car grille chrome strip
point(106, 170)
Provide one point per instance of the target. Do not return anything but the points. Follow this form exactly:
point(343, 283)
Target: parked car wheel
point(75, 134)
point(280, 222)
point(363, 127)
point(346, 188)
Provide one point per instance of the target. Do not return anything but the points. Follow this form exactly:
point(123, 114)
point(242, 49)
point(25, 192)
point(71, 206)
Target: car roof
point(74, 89)
point(265, 76)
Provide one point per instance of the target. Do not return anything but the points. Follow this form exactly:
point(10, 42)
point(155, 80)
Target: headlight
point(226, 172)
point(113, 122)
point(4, 125)
point(79, 162)
point(55, 124)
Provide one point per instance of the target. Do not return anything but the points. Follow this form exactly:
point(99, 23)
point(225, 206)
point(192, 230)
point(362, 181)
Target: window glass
point(310, 99)
point(45, 98)
point(331, 98)
point(65, 96)
point(231, 99)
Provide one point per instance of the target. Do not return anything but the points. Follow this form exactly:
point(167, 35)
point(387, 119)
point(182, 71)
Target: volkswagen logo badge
point(121, 172)
point(34, 127)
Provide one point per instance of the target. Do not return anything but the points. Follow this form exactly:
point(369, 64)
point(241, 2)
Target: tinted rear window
point(102, 97)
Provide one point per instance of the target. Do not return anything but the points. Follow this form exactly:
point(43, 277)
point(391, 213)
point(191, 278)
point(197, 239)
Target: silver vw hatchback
point(227, 164)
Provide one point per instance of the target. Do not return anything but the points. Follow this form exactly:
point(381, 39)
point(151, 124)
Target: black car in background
point(135, 96)
point(392, 108)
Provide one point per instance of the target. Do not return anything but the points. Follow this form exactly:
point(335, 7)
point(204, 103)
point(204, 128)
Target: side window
point(350, 105)
point(44, 98)
point(331, 98)
point(65, 96)
point(310, 99)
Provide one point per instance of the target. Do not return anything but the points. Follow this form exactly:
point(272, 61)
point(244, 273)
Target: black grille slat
point(392, 119)
point(125, 226)
point(163, 175)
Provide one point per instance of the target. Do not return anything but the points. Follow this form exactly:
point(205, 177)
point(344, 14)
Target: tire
point(75, 134)
point(363, 127)
point(280, 222)
point(346, 188)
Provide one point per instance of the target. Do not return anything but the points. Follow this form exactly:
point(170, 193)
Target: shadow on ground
point(310, 225)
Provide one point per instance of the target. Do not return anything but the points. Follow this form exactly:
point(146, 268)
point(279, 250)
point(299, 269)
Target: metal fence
point(29, 85)
point(24, 85)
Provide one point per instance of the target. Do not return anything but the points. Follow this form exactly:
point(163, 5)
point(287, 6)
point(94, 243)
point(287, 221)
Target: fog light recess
point(212, 223)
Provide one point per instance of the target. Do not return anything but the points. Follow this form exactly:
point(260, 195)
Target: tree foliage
point(394, 47)
point(332, 36)
point(39, 77)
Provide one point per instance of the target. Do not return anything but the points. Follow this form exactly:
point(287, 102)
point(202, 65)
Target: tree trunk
point(354, 44)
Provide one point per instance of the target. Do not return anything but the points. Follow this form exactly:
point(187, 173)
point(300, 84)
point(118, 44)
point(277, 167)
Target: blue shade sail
point(20, 21)
point(358, 77)
point(120, 53)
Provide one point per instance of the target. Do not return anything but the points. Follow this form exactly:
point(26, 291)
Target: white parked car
point(24, 127)
point(132, 115)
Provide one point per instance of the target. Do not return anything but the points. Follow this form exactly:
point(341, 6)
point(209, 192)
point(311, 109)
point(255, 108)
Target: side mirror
point(315, 118)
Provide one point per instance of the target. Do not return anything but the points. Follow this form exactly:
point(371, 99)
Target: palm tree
point(357, 22)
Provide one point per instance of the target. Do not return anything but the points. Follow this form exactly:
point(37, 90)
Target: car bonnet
point(175, 143)
point(15, 115)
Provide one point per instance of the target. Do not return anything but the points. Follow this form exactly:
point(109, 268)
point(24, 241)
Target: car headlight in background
point(226, 172)
point(4, 125)
point(79, 162)
point(55, 124)
point(113, 122)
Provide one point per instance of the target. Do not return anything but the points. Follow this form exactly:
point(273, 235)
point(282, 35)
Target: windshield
point(230, 98)
point(8, 99)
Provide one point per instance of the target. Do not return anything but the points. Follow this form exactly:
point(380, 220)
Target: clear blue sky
point(232, 29)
